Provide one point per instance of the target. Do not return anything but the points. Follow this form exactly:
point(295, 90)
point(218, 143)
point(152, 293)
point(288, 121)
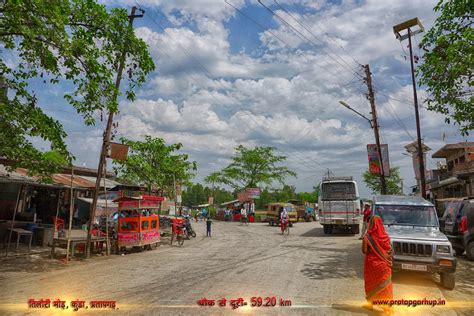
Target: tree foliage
point(372, 181)
point(287, 192)
point(447, 68)
point(196, 194)
point(253, 168)
point(154, 164)
point(74, 42)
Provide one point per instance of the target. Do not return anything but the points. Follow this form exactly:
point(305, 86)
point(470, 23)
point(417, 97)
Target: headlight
point(443, 248)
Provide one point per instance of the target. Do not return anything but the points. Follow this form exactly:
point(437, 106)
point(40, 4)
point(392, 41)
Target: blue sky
point(222, 80)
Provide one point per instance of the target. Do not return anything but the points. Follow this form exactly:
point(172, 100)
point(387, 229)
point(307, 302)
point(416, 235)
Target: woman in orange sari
point(378, 263)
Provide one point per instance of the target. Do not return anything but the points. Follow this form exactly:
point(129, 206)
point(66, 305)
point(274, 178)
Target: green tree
point(372, 181)
point(447, 68)
point(253, 168)
point(72, 42)
point(153, 163)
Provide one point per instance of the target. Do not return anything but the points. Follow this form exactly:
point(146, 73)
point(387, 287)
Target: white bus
point(339, 204)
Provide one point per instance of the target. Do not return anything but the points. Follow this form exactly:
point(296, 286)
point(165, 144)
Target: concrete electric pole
point(368, 78)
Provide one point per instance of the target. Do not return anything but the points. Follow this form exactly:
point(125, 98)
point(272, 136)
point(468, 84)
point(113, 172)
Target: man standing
point(366, 218)
point(208, 225)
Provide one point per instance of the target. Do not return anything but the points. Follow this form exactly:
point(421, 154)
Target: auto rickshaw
point(138, 222)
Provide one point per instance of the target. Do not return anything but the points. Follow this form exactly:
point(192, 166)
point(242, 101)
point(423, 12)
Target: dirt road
point(315, 273)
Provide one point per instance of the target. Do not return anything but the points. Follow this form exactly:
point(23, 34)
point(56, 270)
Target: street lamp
point(374, 126)
point(418, 28)
point(357, 112)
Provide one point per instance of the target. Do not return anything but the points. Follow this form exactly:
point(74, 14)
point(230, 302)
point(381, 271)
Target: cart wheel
point(180, 240)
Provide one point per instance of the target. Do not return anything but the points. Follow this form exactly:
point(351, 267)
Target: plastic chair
point(59, 223)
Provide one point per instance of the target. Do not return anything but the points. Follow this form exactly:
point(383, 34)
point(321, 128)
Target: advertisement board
point(374, 161)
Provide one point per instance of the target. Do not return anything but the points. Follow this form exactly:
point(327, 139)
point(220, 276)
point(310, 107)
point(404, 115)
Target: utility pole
point(106, 139)
point(417, 118)
point(375, 126)
point(407, 25)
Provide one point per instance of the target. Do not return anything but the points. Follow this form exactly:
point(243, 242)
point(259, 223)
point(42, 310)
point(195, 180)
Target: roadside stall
point(138, 222)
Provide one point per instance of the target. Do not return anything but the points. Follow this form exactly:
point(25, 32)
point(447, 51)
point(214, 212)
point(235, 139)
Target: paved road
point(319, 274)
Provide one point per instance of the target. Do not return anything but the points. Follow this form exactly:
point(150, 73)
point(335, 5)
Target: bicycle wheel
point(180, 240)
point(193, 234)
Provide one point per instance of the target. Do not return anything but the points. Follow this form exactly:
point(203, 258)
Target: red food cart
point(138, 221)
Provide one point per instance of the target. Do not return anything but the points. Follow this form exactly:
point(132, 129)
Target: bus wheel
point(326, 229)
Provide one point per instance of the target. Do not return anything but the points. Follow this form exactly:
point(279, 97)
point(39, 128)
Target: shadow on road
point(29, 263)
point(319, 232)
point(336, 264)
point(355, 309)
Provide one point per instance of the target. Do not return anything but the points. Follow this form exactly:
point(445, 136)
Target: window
point(338, 191)
point(154, 223)
point(405, 215)
point(145, 225)
point(128, 226)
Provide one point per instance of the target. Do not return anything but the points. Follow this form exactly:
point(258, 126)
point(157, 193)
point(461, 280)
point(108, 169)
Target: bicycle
point(286, 228)
point(179, 232)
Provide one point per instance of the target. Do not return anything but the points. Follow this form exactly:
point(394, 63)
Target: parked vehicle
point(418, 245)
point(274, 210)
point(303, 210)
point(458, 225)
point(138, 223)
point(189, 232)
point(339, 204)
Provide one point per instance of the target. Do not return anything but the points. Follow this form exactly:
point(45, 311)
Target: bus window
point(338, 191)
point(154, 223)
point(145, 225)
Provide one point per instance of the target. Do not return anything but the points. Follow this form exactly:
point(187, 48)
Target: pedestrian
point(365, 220)
point(377, 264)
point(208, 225)
point(196, 216)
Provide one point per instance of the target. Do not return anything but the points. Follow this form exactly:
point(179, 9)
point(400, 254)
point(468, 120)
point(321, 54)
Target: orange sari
point(378, 262)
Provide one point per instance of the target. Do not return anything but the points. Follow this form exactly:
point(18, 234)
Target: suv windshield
point(407, 215)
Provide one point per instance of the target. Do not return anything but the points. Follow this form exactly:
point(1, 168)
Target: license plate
point(339, 221)
point(414, 267)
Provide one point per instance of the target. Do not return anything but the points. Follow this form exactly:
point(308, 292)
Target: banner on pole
point(374, 161)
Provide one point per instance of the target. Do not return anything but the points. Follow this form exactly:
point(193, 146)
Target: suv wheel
point(447, 280)
point(470, 251)
point(459, 251)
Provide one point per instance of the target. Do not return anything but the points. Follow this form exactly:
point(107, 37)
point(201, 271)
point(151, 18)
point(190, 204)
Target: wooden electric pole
point(106, 139)
point(375, 126)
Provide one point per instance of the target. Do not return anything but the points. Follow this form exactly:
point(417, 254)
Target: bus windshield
point(338, 191)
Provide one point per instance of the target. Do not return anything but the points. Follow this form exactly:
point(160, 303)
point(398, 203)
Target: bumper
point(439, 266)
point(342, 222)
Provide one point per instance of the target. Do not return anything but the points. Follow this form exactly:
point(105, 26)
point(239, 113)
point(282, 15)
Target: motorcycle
point(189, 231)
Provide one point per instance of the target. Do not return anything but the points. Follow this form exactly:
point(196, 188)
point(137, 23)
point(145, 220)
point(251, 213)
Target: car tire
point(459, 251)
point(447, 280)
point(470, 250)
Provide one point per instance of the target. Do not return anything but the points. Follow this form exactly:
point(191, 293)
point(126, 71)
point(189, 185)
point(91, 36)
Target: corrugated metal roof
point(15, 176)
point(108, 183)
point(78, 181)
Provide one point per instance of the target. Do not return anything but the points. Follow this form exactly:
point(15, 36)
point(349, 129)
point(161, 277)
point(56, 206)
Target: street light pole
point(375, 126)
point(397, 29)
